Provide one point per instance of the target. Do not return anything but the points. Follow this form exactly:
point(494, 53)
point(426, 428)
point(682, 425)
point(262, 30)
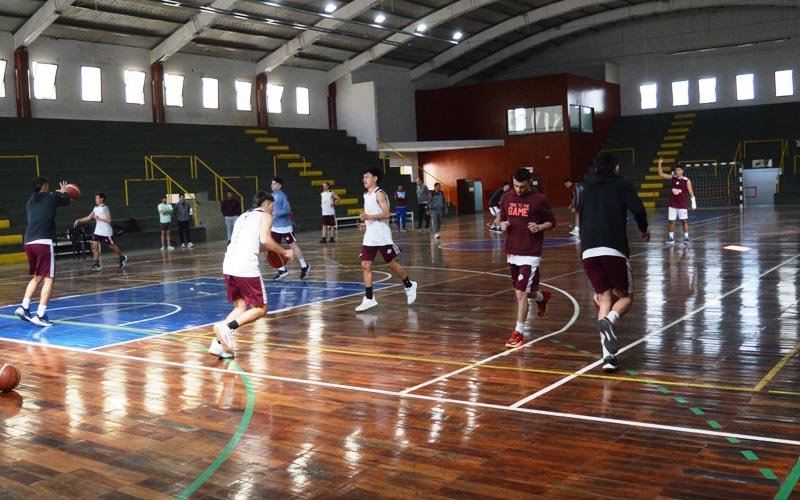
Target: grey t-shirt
point(41, 209)
point(422, 194)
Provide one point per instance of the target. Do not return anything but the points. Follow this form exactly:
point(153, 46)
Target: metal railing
point(275, 159)
point(35, 158)
point(741, 149)
point(220, 181)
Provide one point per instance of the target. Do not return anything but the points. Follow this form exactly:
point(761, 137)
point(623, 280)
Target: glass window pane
point(708, 90)
point(549, 119)
point(2, 78)
point(210, 93)
point(173, 85)
point(302, 101)
point(680, 93)
point(134, 87)
point(91, 89)
point(784, 84)
point(574, 117)
point(274, 96)
point(587, 119)
point(44, 80)
point(648, 93)
point(243, 90)
point(744, 87)
point(520, 121)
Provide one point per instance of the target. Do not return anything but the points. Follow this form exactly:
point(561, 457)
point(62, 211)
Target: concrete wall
point(356, 109)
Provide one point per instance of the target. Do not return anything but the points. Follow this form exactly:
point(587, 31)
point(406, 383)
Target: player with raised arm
point(680, 194)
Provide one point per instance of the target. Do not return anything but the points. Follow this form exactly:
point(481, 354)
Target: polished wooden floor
point(423, 401)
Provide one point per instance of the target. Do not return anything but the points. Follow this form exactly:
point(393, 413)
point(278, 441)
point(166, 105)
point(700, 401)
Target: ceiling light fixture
point(330, 7)
point(380, 18)
point(421, 28)
point(458, 35)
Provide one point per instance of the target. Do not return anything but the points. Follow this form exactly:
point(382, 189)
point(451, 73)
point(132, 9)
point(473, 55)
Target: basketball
point(73, 190)
point(275, 260)
point(9, 377)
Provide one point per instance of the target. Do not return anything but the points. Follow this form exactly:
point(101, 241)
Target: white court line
point(572, 320)
point(644, 339)
point(383, 392)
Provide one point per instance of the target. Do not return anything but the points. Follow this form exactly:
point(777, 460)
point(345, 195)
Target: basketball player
point(680, 193)
point(378, 239)
point(328, 200)
point(525, 215)
point(603, 208)
point(39, 235)
point(252, 233)
point(575, 190)
point(494, 206)
point(103, 231)
point(282, 230)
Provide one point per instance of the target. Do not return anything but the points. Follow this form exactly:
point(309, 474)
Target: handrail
point(148, 172)
point(275, 163)
point(783, 142)
point(445, 187)
point(153, 166)
point(20, 157)
point(219, 181)
point(738, 151)
point(127, 200)
point(616, 150)
point(392, 150)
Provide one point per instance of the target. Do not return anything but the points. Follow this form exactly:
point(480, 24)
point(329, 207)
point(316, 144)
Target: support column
point(261, 100)
point(22, 83)
point(332, 106)
point(157, 92)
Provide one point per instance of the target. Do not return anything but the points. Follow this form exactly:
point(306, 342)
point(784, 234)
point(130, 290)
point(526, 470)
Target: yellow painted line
point(339, 191)
point(784, 393)
point(666, 160)
point(769, 376)
point(653, 178)
point(685, 115)
point(318, 182)
point(681, 123)
point(348, 201)
point(675, 138)
point(5, 224)
point(354, 211)
point(13, 258)
point(649, 194)
point(649, 204)
point(298, 164)
point(652, 185)
point(255, 131)
point(277, 148)
point(287, 156)
point(10, 239)
point(671, 145)
point(677, 130)
point(270, 140)
point(667, 152)
point(311, 173)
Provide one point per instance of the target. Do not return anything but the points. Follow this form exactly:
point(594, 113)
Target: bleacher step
point(653, 178)
point(5, 224)
point(339, 191)
point(354, 211)
point(685, 115)
point(256, 131)
point(298, 164)
point(277, 147)
point(649, 194)
point(311, 173)
point(13, 258)
point(653, 185)
point(11, 239)
point(318, 182)
point(287, 156)
point(348, 201)
point(270, 140)
point(667, 152)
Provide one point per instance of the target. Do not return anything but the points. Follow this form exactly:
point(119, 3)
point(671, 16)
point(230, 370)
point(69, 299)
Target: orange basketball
point(275, 260)
point(73, 190)
point(9, 377)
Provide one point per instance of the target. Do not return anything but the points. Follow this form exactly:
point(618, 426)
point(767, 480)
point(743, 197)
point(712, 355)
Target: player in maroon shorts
point(524, 216)
point(681, 193)
point(251, 235)
point(603, 210)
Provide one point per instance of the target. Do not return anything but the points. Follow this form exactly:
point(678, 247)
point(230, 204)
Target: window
point(210, 93)
point(173, 85)
point(574, 117)
point(243, 95)
point(302, 101)
point(581, 118)
point(680, 93)
point(744, 87)
point(44, 80)
point(784, 85)
point(548, 119)
point(648, 93)
point(134, 87)
point(91, 89)
point(274, 95)
point(708, 90)
point(2, 78)
point(520, 121)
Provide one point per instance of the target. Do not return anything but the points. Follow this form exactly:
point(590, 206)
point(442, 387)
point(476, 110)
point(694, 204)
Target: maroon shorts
point(328, 220)
point(279, 238)
point(608, 272)
point(525, 278)
point(250, 290)
point(389, 253)
point(40, 260)
point(103, 239)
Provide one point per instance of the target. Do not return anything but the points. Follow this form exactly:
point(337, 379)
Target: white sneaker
point(216, 349)
point(163, 248)
point(411, 293)
point(224, 336)
point(183, 245)
point(575, 231)
point(366, 304)
point(190, 245)
point(436, 236)
point(170, 247)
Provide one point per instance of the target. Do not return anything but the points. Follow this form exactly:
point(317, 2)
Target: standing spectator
point(283, 231)
point(437, 205)
point(401, 208)
point(231, 210)
point(575, 190)
point(494, 206)
point(39, 235)
point(165, 220)
point(103, 232)
point(184, 213)
point(423, 214)
point(328, 200)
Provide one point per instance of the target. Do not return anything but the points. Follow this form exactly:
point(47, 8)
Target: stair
point(651, 188)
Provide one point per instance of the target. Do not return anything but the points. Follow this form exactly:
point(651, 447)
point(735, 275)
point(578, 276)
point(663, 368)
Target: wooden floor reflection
point(423, 400)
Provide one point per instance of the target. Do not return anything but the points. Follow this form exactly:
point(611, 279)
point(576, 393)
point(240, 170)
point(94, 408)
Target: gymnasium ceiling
point(496, 34)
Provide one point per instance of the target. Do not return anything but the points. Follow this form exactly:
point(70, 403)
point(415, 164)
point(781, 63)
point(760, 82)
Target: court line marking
point(717, 300)
point(384, 392)
point(775, 369)
point(789, 483)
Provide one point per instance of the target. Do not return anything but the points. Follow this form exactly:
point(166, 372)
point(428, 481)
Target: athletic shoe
point(23, 313)
point(122, 261)
point(189, 245)
point(436, 236)
point(170, 247)
point(224, 335)
point(216, 349)
point(609, 335)
point(496, 229)
point(323, 240)
point(541, 307)
point(575, 231)
point(41, 320)
point(686, 241)
point(163, 248)
point(280, 275)
point(366, 304)
point(670, 241)
point(96, 267)
point(515, 340)
point(183, 245)
point(411, 293)
point(304, 271)
point(610, 364)
point(331, 240)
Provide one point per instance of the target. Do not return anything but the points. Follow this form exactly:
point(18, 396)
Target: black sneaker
point(331, 240)
point(304, 272)
point(610, 364)
point(323, 240)
point(23, 314)
point(96, 267)
point(609, 335)
point(281, 274)
point(41, 320)
point(122, 261)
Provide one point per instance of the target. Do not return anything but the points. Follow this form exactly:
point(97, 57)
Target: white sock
point(686, 235)
point(671, 235)
point(26, 303)
point(40, 311)
point(539, 296)
point(613, 316)
point(303, 263)
point(520, 326)
point(282, 269)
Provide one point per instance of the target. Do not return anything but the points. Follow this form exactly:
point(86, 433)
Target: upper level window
point(2, 78)
point(302, 101)
point(210, 93)
point(707, 90)
point(134, 87)
point(744, 87)
point(243, 90)
point(520, 121)
point(784, 84)
point(680, 93)
point(581, 118)
point(648, 93)
point(44, 80)
point(91, 88)
point(274, 96)
point(173, 86)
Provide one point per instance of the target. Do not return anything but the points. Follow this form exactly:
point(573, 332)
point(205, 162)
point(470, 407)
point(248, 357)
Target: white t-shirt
point(378, 233)
point(102, 228)
point(241, 258)
point(327, 203)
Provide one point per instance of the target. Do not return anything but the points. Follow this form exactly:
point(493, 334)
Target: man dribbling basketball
point(251, 234)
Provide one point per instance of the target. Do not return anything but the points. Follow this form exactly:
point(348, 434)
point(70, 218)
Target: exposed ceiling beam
point(39, 21)
point(187, 32)
point(307, 38)
point(655, 7)
point(433, 19)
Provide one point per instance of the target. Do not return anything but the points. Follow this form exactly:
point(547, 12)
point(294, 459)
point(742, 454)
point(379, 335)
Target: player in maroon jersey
point(524, 216)
point(680, 194)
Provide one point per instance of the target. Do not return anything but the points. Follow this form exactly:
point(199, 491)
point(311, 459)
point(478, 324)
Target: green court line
point(733, 440)
point(767, 473)
point(789, 483)
point(749, 455)
point(697, 411)
point(681, 400)
point(714, 424)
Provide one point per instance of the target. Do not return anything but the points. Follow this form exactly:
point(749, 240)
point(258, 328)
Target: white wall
point(8, 104)
point(356, 109)
point(394, 93)
point(317, 86)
